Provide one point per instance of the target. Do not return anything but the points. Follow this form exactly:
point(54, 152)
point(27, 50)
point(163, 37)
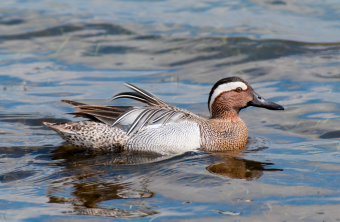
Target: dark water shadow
point(253, 50)
point(330, 135)
point(110, 29)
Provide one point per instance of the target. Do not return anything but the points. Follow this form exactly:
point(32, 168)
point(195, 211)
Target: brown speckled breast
point(217, 135)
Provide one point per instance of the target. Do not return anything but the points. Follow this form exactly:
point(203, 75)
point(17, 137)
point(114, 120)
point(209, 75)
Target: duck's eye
point(238, 89)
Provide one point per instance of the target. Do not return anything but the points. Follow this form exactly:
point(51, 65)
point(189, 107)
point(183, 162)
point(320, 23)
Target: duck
point(162, 128)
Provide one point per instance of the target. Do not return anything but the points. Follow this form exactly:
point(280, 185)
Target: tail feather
point(105, 114)
point(73, 103)
point(91, 135)
point(59, 128)
point(110, 114)
point(105, 108)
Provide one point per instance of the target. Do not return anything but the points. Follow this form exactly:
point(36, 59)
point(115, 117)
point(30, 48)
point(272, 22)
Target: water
point(287, 50)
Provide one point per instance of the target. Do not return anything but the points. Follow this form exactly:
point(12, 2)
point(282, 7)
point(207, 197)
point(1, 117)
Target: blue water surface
point(287, 50)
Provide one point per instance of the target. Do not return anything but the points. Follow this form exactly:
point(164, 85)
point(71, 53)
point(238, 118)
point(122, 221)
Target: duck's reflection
point(238, 168)
point(232, 165)
point(88, 196)
point(97, 180)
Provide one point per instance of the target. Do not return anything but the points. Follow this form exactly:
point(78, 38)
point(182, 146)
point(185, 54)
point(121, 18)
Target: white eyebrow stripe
point(225, 88)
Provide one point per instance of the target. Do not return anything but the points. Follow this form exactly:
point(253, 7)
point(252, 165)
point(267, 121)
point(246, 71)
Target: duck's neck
point(225, 115)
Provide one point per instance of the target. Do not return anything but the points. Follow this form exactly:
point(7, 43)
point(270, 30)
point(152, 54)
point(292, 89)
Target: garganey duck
point(163, 128)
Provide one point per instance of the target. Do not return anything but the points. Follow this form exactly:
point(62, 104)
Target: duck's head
point(233, 94)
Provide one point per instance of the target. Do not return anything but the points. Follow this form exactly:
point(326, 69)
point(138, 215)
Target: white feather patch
point(225, 88)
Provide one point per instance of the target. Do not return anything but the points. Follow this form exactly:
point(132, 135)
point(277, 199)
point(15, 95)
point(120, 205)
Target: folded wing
point(131, 118)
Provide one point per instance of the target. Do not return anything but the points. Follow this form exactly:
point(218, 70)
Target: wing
point(140, 117)
point(141, 95)
point(131, 118)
